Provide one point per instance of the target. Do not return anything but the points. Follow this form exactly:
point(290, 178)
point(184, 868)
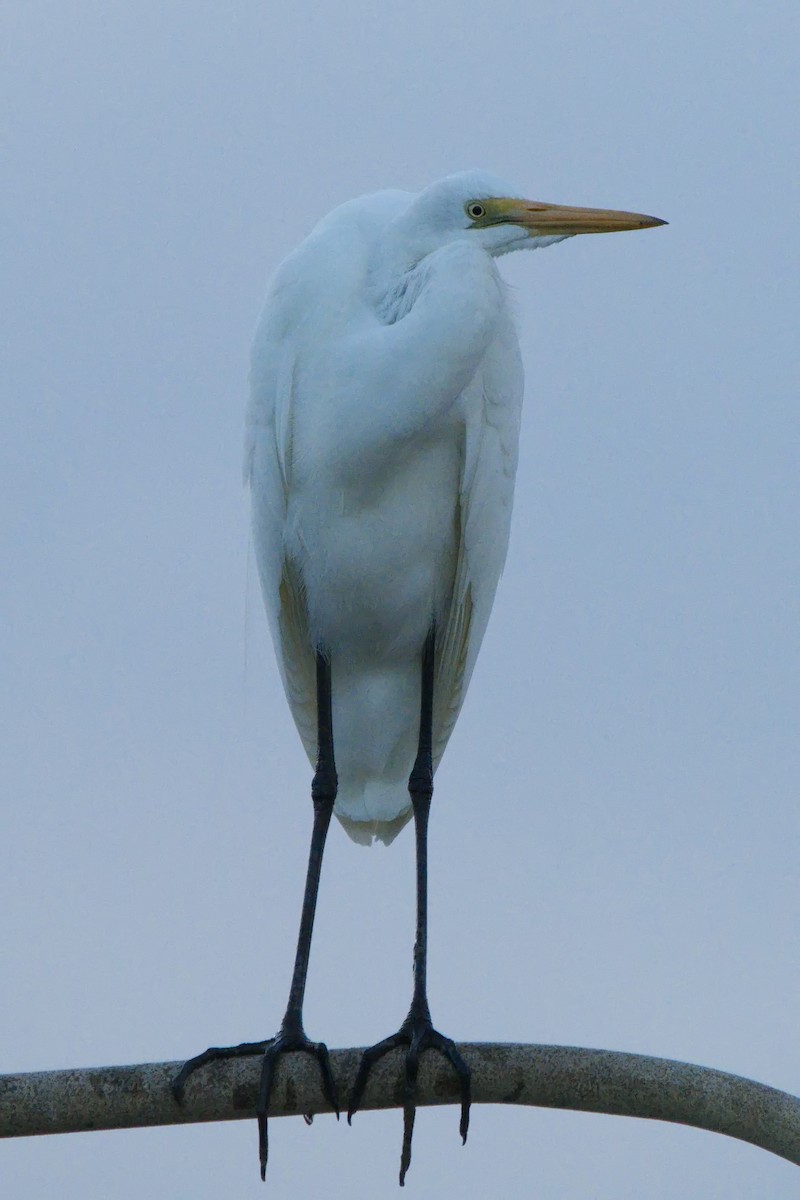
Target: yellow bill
point(549, 220)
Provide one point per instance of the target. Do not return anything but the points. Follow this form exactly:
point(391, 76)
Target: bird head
point(479, 206)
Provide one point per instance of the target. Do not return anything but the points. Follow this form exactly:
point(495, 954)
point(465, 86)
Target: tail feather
point(374, 811)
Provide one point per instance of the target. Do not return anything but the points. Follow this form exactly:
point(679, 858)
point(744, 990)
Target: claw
point(284, 1043)
point(418, 1035)
point(212, 1054)
point(320, 1052)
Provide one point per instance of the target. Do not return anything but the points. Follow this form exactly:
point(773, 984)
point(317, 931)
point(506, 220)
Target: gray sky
point(614, 841)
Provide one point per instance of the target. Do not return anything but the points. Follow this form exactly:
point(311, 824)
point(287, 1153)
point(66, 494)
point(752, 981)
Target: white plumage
point(381, 454)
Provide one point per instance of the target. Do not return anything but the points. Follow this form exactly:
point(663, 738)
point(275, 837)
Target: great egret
point(381, 454)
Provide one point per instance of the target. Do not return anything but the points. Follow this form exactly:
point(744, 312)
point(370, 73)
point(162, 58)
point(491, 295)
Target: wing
point(286, 340)
point(493, 404)
point(268, 459)
point(316, 289)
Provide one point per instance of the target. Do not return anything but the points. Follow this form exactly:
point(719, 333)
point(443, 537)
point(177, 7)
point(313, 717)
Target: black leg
point(292, 1035)
point(417, 1031)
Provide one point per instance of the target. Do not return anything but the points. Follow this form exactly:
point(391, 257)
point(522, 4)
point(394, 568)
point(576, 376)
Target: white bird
point(381, 454)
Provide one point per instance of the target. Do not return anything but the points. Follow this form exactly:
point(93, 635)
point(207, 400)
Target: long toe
point(447, 1047)
point(418, 1035)
point(286, 1044)
point(369, 1058)
point(212, 1054)
point(329, 1090)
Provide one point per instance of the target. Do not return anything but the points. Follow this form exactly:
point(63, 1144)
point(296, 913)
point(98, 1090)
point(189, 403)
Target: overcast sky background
point(614, 841)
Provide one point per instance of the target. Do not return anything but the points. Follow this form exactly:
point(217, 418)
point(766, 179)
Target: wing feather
point(268, 459)
point(492, 408)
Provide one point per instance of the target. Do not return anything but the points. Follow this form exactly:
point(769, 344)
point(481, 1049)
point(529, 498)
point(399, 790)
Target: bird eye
point(475, 210)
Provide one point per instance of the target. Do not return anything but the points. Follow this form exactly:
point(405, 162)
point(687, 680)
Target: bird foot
point(291, 1037)
point(418, 1034)
point(213, 1054)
